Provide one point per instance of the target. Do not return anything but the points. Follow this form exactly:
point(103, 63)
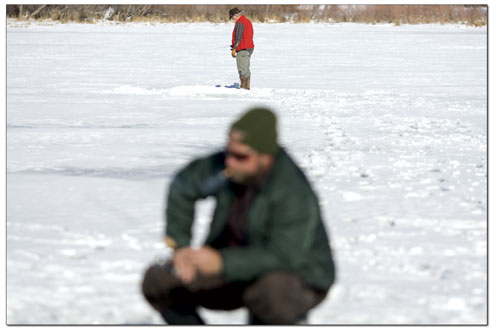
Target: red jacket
point(247, 40)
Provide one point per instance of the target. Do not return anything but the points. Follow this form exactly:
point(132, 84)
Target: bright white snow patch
point(351, 196)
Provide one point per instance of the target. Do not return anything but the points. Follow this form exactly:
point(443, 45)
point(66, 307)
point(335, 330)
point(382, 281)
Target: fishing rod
point(223, 47)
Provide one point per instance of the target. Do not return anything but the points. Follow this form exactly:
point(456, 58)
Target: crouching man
point(267, 248)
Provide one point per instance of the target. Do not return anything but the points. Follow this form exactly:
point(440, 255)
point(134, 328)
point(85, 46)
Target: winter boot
point(245, 83)
point(181, 316)
point(254, 320)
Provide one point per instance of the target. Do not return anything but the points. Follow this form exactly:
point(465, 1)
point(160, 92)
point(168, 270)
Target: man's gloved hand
point(233, 53)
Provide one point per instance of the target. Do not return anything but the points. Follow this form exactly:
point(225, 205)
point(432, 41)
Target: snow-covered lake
point(388, 122)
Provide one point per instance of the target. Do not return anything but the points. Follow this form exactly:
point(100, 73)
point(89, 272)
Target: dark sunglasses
point(237, 156)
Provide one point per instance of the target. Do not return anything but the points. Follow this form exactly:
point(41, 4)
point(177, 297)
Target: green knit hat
point(258, 127)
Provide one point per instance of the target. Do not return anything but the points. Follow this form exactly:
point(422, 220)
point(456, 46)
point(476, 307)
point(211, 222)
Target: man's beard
point(243, 178)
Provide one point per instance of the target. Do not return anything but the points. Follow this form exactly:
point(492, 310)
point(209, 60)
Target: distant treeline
point(397, 14)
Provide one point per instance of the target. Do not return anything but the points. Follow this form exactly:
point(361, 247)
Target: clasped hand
point(188, 262)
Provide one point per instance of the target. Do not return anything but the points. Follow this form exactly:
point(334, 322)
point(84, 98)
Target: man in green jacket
point(267, 248)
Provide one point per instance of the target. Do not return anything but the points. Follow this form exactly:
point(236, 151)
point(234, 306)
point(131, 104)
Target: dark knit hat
point(258, 129)
point(233, 12)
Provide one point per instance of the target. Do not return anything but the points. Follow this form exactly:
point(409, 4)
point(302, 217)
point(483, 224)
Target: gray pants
point(243, 63)
point(274, 298)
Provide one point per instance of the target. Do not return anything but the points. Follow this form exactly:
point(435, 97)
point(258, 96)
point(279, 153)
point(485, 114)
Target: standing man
point(242, 45)
point(267, 247)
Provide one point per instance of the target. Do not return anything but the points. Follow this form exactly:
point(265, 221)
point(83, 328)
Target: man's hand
point(207, 260)
point(188, 262)
point(233, 53)
point(183, 264)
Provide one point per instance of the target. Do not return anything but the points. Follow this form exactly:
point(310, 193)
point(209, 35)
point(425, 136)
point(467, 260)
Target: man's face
point(244, 162)
point(235, 18)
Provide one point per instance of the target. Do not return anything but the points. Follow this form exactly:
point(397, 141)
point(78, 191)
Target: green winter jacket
point(284, 226)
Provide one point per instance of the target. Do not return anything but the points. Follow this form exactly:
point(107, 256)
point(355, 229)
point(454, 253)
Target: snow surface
point(388, 122)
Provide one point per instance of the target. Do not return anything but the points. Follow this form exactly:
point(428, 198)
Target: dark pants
point(274, 298)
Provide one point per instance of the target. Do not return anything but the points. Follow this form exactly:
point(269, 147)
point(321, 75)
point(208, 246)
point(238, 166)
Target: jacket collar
point(274, 171)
